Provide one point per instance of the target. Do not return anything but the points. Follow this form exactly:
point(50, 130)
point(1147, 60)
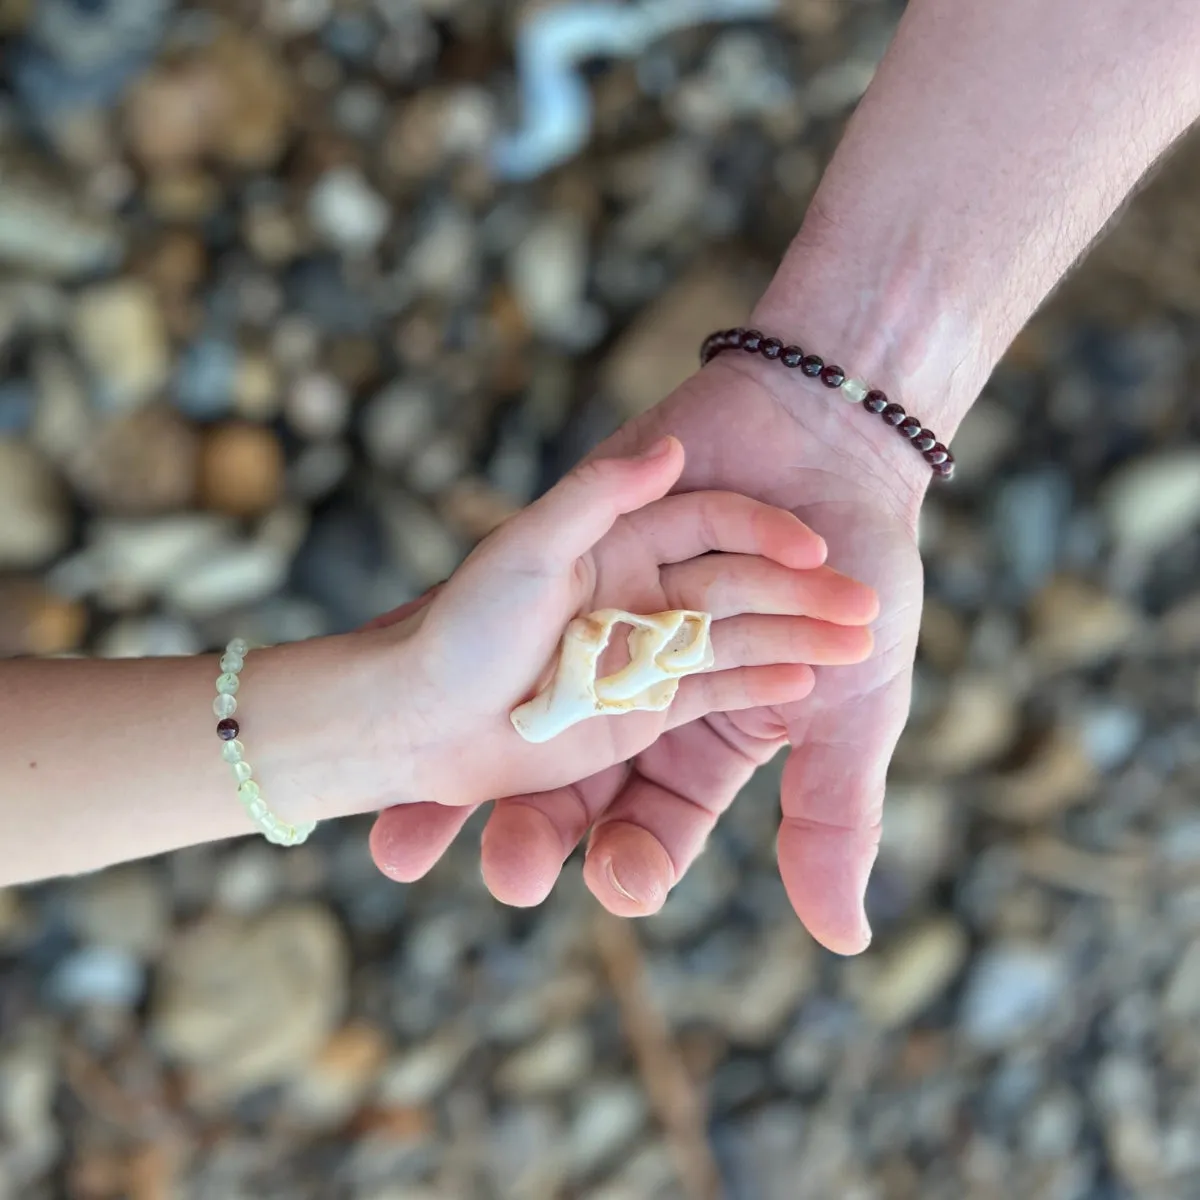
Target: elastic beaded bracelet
point(224, 706)
point(855, 391)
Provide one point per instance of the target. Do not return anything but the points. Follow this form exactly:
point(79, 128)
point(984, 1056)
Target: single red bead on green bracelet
point(753, 341)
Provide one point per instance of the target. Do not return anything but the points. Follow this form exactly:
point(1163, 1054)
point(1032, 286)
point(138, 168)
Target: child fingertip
point(659, 450)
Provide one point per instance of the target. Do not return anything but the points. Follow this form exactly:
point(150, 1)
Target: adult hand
point(975, 172)
point(752, 428)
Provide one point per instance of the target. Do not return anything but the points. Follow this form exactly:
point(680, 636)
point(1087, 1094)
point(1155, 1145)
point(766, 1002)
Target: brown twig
point(672, 1093)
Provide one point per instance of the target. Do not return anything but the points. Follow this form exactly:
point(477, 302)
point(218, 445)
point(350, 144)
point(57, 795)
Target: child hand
point(608, 536)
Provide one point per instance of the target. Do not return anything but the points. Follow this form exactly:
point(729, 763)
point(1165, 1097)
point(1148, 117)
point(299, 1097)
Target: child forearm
point(110, 760)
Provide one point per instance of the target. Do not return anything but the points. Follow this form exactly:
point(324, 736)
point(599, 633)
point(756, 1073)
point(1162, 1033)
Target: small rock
point(204, 378)
point(1029, 518)
point(35, 621)
point(548, 272)
point(445, 258)
point(918, 832)
point(122, 339)
point(660, 349)
point(347, 212)
point(318, 406)
point(441, 462)
point(608, 1117)
point(474, 509)
point(396, 422)
point(421, 1074)
point(556, 1062)
point(1056, 773)
point(63, 418)
point(335, 1084)
point(944, 639)
point(1153, 501)
point(318, 470)
point(989, 430)
point(256, 390)
point(772, 989)
point(35, 522)
point(241, 469)
point(131, 558)
point(1181, 999)
point(249, 1003)
point(913, 972)
point(45, 229)
point(420, 541)
point(978, 722)
point(139, 463)
point(1011, 990)
point(18, 399)
point(153, 636)
point(103, 975)
point(1110, 734)
point(242, 573)
point(122, 908)
point(1074, 624)
point(29, 1079)
point(232, 99)
point(248, 879)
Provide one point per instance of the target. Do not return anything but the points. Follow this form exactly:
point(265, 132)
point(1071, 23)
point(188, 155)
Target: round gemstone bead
point(771, 348)
point(832, 377)
point(875, 401)
point(232, 662)
point(224, 705)
point(238, 646)
point(926, 439)
point(910, 427)
point(792, 356)
point(227, 730)
point(944, 469)
point(854, 390)
point(893, 414)
point(752, 341)
point(233, 750)
point(241, 770)
point(228, 684)
point(937, 453)
point(811, 365)
point(733, 338)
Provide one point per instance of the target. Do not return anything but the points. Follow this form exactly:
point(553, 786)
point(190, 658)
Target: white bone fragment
point(663, 648)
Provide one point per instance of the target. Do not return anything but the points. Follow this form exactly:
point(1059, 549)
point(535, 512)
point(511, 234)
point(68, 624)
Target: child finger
point(694, 523)
point(728, 584)
point(739, 688)
point(753, 640)
point(585, 504)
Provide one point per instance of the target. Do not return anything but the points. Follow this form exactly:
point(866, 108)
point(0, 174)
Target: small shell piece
point(663, 648)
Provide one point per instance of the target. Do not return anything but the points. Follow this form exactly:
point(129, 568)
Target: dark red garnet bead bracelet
point(853, 390)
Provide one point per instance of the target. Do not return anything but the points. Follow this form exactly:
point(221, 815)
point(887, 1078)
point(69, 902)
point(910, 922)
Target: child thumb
point(585, 504)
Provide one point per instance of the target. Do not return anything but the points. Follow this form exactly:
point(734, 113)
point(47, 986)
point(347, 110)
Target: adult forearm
point(995, 141)
point(104, 761)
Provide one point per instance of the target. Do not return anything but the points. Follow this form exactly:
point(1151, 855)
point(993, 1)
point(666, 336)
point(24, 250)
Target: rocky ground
point(278, 342)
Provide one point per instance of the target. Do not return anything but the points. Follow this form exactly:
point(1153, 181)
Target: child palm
point(607, 536)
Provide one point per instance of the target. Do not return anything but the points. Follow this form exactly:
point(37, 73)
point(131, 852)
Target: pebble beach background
point(298, 299)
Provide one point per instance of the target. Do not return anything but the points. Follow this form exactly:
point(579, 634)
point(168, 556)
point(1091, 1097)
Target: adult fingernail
point(640, 887)
point(611, 872)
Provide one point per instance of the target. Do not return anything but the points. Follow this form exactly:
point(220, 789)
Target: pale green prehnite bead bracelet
point(233, 752)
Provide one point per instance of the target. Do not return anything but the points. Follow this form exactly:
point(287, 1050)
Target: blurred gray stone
point(1010, 991)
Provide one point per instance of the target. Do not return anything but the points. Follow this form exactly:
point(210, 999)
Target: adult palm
point(748, 427)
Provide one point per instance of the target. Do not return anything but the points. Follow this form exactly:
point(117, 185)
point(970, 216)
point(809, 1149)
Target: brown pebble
point(241, 469)
point(35, 621)
point(138, 464)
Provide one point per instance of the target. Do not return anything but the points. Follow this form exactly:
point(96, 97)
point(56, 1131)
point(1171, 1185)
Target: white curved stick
point(663, 648)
